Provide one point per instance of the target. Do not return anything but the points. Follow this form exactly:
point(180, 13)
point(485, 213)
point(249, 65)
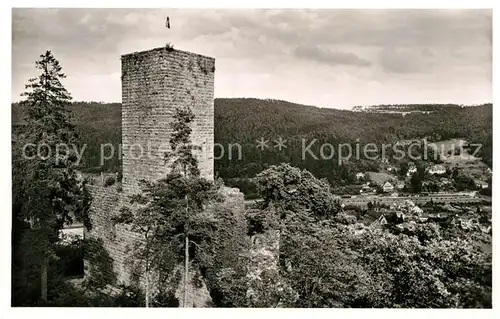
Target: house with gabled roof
point(388, 187)
point(379, 222)
point(437, 169)
point(360, 175)
point(411, 169)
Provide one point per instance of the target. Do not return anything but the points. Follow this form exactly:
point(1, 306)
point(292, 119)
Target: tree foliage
point(338, 262)
point(170, 214)
point(48, 193)
point(293, 188)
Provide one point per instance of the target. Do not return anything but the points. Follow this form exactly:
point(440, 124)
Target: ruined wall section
point(116, 239)
point(154, 83)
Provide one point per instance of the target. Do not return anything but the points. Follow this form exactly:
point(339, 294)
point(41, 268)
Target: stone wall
point(119, 241)
point(154, 83)
point(116, 239)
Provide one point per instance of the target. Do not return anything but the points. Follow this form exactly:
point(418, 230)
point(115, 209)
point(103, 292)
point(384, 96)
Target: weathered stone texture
point(119, 241)
point(116, 239)
point(154, 83)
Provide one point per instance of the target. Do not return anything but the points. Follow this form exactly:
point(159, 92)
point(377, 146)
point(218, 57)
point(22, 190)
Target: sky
point(329, 58)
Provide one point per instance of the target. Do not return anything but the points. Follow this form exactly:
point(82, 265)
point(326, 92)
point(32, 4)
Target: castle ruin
point(154, 83)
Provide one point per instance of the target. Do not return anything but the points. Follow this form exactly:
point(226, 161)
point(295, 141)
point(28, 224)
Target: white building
point(411, 169)
point(400, 185)
point(388, 187)
point(360, 175)
point(482, 184)
point(437, 169)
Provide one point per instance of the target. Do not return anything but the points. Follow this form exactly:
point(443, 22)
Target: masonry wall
point(116, 239)
point(154, 83)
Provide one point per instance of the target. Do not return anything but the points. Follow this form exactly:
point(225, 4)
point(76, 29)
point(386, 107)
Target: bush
point(109, 181)
point(260, 221)
point(169, 47)
point(92, 170)
point(295, 189)
point(165, 300)
point(70, 258)
point(66, 295)
point(345, 219)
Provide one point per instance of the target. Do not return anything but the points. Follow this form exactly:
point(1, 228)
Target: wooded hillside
point(245, 120)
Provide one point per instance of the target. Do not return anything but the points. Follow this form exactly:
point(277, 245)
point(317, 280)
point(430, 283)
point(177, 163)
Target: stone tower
point(154, 83)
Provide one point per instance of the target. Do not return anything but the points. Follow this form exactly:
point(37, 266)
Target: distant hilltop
point(408, 108)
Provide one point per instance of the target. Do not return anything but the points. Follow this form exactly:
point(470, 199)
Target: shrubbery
point(336, 262)
point(109, 181)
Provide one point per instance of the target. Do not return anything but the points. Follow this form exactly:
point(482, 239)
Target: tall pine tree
point(49, 192)
point(170, 211)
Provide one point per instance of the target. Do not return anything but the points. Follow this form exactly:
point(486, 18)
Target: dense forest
point(246, 120)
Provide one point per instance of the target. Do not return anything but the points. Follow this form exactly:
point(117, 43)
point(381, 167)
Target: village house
point(366, 190)
point(400, 184)
point(411, 169)
point(408, 227)
point(379, 222)
point(481, 184)
point(392, 168)
point(437, 169)
point(388, 187)
point(360, 176)
point(444, 181)
point(416, 210)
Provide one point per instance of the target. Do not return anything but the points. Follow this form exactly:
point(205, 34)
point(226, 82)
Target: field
point(444, 147)
point(465, 160)
point(380, 178)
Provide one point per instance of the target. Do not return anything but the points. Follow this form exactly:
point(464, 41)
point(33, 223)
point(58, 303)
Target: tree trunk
point(186, 270)
point(186, 253)
point(43, 283)
point(147, 288)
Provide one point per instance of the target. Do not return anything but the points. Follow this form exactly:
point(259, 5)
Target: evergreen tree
point(49, 193)
point(171, 210)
